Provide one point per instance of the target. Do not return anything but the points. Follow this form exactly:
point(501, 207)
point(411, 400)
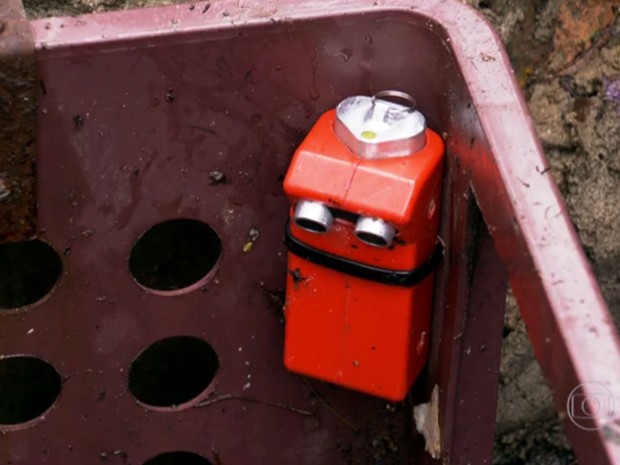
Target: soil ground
point(566, 54)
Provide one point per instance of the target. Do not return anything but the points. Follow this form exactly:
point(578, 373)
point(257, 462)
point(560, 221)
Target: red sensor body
point(353, 316)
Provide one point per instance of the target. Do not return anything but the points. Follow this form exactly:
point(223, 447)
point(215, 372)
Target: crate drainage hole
point(28, 272)
point(28, 388)
point(177, 458)
point(175, 256)
point(173, 373)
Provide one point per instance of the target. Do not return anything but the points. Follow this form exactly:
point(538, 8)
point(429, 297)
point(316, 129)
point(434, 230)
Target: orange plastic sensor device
point(364, 188)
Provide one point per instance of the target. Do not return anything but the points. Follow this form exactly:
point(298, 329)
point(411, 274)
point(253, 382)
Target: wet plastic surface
point(143, 114)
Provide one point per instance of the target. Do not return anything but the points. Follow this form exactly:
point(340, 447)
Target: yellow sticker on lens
point(369, 134)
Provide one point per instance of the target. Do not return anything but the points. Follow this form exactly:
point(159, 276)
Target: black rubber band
point(361, 270)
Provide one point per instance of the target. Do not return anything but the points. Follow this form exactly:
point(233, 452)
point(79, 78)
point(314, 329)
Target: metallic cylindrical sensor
point(374, 231)
point(313, 216)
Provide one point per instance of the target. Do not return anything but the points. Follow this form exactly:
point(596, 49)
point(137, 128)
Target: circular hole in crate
point(177, 458)
point(29, 387)
point(173, 372)
point(28, 272)
point(175, 256)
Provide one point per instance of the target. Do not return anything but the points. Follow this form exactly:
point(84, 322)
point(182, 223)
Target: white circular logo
point(588, 401)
